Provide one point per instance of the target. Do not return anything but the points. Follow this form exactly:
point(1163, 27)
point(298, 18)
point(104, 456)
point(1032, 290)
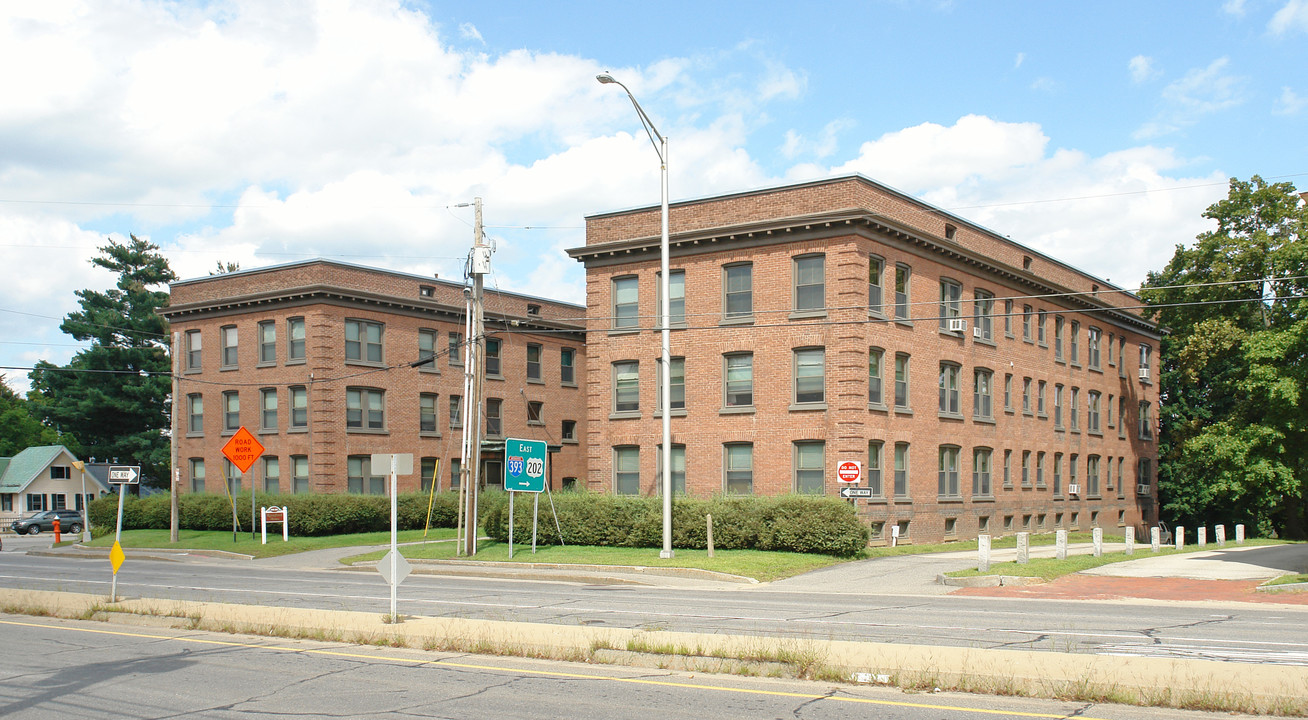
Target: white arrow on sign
point(402, 568)
point(855, 492)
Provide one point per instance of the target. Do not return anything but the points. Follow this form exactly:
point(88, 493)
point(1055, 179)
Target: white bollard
point(1130, 540)
point(1097, 535)
point(1203, 536)
point(1060, 544)
point(1221, 535)
point(1239, 534)
point(1023, 548)
point(982, 553)
point(1155, 539)
point(1180, 536)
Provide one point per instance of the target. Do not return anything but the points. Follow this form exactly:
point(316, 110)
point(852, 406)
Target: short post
point(1060, 544)
point(983, 553)
point(1130, 540)
point(1180, 536)
point(1203, 535)
point(1155, 539)
point(710, 534)
point(1239, 534)
point(1220, 531)
point(1023, 548)
point(1097, 536)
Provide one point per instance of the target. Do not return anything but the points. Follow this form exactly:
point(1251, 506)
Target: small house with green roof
point(48, 477)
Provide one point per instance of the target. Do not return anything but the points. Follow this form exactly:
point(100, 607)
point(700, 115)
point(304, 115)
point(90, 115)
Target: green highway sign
point(524, 465)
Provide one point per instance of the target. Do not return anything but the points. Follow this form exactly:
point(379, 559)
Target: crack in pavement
point(800, 707)
point(1152, 632)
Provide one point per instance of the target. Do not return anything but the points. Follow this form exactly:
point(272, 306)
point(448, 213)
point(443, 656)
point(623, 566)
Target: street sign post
point(394, 568)
point(524, 471)
point(849, 471)
point(850, 492)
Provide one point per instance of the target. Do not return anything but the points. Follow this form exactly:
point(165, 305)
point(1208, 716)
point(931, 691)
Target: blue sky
point(262, 132)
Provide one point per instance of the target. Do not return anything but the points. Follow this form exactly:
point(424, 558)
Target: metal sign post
point(120, 476)
point(394, 568)
point(242, 450)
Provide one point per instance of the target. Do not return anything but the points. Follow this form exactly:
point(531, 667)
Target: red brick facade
point(803, 352)
point(313, 448)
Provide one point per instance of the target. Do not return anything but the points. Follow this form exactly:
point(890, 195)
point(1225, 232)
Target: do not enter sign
point(849, 471)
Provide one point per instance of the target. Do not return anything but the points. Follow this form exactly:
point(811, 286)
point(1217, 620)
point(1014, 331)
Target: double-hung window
point(983, 308)
point(875, 374)
point(875, 270)
point(676, 296)
point(427, 340)
point(739, 468)
point(267, 343)
point(901, 381)
point(1092, 348)
point(626, 296)
point(951, 304)
point(738, 291)
point(810, 283)
point(533, 362)
point(427, 404)
point(299, 406)
point(295, 340)
point(903, 274)
point(363, 341)
point(1092, 420)
point(365, 409)
point(228, 336)
point(901, 470)
point(626, 387)
point(193, 350)
point(740, 380)
point(981, 472)
point(231, 410)
point(949, 391)
point(626, 470)
point(567, 366)
point(982, 395)
point(947, 482)
point(810, 473)
point(268, 407)
point(810, 376)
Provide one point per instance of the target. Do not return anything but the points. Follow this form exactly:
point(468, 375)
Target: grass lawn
point(1288, 579)
point(222, 540)
point(1053, 568)
point(758, 564)
point(999, 543)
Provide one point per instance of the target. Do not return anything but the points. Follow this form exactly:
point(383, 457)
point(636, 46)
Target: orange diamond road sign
point(243, 449)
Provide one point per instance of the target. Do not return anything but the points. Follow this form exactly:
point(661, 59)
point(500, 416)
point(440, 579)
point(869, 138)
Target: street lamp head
point(605, 78)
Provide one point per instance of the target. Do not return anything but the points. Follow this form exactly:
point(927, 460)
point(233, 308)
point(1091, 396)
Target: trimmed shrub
point(797, 523)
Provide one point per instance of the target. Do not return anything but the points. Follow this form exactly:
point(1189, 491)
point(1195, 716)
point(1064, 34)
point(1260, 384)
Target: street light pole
point(665, 359)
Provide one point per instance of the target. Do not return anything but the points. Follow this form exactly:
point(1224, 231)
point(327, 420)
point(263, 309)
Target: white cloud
point(1044, 84)
point(1114, 216)
point(1234, 7)
point(821, 147)
point(1142, 69)
point(1202, 91)
point(468, 31)
point(1293, 16)
point(1290, 103)
point(1017, 61)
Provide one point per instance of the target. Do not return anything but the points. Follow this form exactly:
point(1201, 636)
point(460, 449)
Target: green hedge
point(311, 514)
point(798, 523)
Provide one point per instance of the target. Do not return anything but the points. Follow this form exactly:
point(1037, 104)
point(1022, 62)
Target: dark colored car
point(70, 521)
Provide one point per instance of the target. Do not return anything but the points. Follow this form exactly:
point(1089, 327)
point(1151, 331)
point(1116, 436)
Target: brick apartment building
point(984, 386)
point(314, 358)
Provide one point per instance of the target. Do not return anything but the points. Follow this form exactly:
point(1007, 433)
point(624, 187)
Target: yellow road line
point(548, 673)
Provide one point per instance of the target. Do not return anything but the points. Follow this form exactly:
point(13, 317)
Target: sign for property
point(524, 465)
point(243, 449)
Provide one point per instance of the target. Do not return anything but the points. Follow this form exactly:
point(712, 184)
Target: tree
point(19, 429)
point(1234, 380)
point(114, 396)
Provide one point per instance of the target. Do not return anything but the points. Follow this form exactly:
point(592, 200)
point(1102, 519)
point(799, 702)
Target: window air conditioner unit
point(957, 324)
point(1144, 373)
point(1142, 488)
point(1073, 489)
point(976, 332)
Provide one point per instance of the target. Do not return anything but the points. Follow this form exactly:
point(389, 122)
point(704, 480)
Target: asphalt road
point(1228, 632)
point(91, 671)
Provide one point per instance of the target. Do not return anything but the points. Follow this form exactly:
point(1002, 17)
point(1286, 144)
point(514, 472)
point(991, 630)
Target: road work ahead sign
point(524, 465)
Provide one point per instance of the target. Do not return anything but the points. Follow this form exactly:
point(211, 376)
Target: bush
point(797, 523)
point(310, 514)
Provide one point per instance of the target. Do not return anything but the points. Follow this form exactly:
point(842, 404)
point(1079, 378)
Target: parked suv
point(70, 521)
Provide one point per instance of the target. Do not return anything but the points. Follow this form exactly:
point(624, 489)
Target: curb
point(172, 554)
point(581, 573)
point(1286, 587)
point(987, 580)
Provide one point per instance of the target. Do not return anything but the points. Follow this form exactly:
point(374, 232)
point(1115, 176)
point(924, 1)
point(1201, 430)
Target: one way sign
point(125, 474)
point(855, 492)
